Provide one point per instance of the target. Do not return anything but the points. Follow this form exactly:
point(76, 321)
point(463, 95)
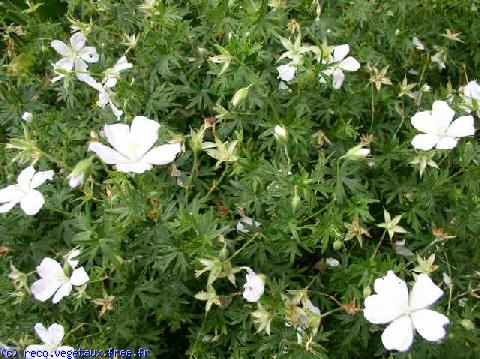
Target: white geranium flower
point(286, 72)
point(332, 262)
point(438, 129)
point(418, 44)
point(113, 73)
point(472, 93)
point(105, 96)
point(27, 117)
point(75, 56)
point(24, 192)
point(405, 313)
point(246, 223)
point(254, 286)
point(338, 62)
point(51, 338)
point(55, 282)
point(132, 146)
point(280, 132)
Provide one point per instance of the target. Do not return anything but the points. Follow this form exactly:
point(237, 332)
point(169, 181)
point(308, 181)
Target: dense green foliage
point(142, 236)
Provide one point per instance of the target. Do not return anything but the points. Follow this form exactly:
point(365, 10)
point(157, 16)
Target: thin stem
point(378, 245)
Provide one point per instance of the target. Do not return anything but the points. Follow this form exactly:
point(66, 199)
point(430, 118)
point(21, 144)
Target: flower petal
point(430, 324)
point(442, 114)
point(163, 154)
point(446, 143)
point(61, 48)
point(461, 127)
point(78, 41)
point(135, 167)
point(81, 71)
point(340, 52)
point(25, 177)
point(424, 292)
point(423, 122)
point(122, 65)
point(44, 288)
point(390, 301)
point(89, 54)
point(7, 206)
point(70, 258)
point(42, 333)
point(40, 177)
point(32, 202)
point(425, 141)
point(79, 277)
point(65, 64)
point(49, 267)
point(107, 154)
point(10, 194)
point(338, 78)
point(349, 64)
point(144, 133)
point(56, 333)
point(398, 335)
point(118, 136)
point(63, 291)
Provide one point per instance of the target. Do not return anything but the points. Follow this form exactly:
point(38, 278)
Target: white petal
point(64, 64)
point(40, 177)
point(430, 324)
point(79, 277)
point(70, 258)
point(472, 90)
point(461, 127)
point(7, 206)
point(61, 48)
point(32, 202)
point(107, 154)
point(286, 72)
point(56, 333)
point(42, 333)
point(254, 287)
point(442, 114)
point(111, 81)
point(446, 143)
point(50, 268)
point(122, 64)
point(424, 292)
point(390, 301)
point(10, 194)
point(44, 288)
point(163, 154)
point(118, 113)
point(143, 133)
point(425, 141)
point(423, 122)
point(63, 291)
point(78, 41)
point(398, 335)
point(25, 177)
point(135, 167)
point(338, 78)
point(340, 52)
point(81, 71)
point(349, 64)
point(118, 136)
point(89, 54)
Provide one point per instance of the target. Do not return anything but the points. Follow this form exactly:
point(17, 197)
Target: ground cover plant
point(240, 179)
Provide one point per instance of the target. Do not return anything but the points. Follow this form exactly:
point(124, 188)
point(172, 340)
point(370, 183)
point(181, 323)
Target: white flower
point(406, 313)
point(132, 150)
point(438, 129)
point(418, 44)
point(246, 223)
point(280, 132)
point(27, 117)
point(338, 63)
point(332, 262)
point(24, 191)
point(75, 57)
point(254, 286)
point(286, 72)
point(105, 95)
point(53, 280)
point(113, 73)
point(472, 93)
point(51, 338)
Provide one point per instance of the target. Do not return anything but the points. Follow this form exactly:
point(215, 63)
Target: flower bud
point(27, 117)
point(467, 324)
point(357, 152)
point(77, 176)
point(280, 133)
point(337, 244)
point(240, 95)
